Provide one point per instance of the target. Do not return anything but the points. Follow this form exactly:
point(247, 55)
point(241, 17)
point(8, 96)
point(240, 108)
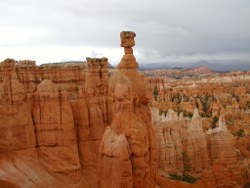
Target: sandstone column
point(131, 132)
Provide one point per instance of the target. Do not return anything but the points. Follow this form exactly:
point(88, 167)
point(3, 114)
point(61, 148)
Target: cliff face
point(55, 114)
point(182, 144)
point(16, 124)
point(55, 131)
point(184, 148)
point(225, 170)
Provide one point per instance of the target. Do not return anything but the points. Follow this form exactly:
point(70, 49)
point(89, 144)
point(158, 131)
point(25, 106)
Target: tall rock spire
point(136, 166)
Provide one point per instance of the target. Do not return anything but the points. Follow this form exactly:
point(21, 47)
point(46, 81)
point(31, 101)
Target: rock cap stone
point(127, 39)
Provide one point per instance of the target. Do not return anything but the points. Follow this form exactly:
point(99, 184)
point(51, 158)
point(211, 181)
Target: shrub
point(190, 114)
point(186, 178)
point(240, 133)
point(215, 120)
point(155, 93)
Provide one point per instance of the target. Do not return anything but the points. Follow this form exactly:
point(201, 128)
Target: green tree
point(155, 93)
point(215, 120)
point(187, 167)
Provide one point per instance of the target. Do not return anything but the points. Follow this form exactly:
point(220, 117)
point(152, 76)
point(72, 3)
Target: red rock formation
point(243, 144)
point(225, 170)
point(19, 171)
point(57, 121)
point(182, 144)
point(131, 124)
point(55, 131)
point(68, 75)
point(16, 124)
point(96, 115)
point(195, 146)
point(115, 167)
point(184, 148)
point(170, 133)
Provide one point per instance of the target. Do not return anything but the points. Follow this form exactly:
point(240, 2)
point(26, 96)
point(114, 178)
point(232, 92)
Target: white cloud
point(14, 36)
point(50, 54)
point(49, 31)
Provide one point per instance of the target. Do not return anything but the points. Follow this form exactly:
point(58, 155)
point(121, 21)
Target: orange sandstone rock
point(226, 170)
point(55, 131)
point(47, 113)
point(16, 123)
point(131, 118)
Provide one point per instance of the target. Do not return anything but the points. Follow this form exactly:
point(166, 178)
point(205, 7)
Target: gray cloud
point(164, 28)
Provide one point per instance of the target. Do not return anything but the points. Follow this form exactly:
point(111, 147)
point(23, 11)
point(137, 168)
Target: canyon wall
point(55, 114)
point(16, 122)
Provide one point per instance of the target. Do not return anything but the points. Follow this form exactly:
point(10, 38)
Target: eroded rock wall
point(56, 114)
point(182, 144)
point(185, 148)
point(16, 123)
point(226, 169)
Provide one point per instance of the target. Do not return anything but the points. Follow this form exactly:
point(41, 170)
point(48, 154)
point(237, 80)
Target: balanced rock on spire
point(132, 121)
point(127, 41)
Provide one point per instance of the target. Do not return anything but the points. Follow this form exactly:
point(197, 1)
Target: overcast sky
point(167, 30)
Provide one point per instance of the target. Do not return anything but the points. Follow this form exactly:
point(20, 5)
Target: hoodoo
point(129, 159)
